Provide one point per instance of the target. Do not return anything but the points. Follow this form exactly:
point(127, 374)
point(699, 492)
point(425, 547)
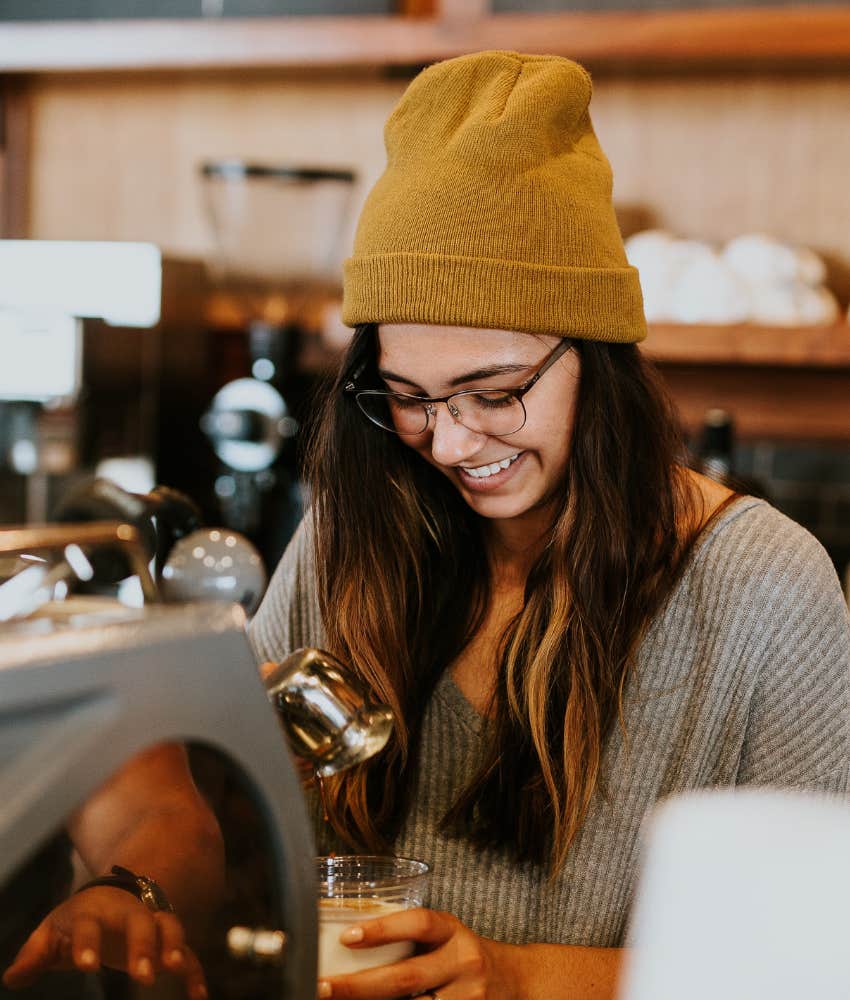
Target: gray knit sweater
point(742, 679)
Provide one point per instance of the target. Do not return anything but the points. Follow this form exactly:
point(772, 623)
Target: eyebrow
point(473, 376)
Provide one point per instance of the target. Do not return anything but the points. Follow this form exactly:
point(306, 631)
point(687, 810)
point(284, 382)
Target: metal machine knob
point(258, 945)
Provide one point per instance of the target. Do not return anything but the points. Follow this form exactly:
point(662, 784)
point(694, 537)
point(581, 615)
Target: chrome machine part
point(214, 564)
point(248, 423)
point(70, 550)
point(328, 716)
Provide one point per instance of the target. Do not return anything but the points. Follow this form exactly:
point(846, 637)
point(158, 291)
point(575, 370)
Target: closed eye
point(492, 400)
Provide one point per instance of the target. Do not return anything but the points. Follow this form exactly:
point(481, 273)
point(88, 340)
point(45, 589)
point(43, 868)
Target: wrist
point(509, 965)
point(145, 889)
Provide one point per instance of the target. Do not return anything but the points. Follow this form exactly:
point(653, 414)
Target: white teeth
point(483, 471)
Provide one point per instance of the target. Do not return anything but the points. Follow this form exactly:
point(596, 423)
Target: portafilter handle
point(327, 715)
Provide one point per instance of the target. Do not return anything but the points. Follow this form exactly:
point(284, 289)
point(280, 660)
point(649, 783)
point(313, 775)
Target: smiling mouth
point(494, 468)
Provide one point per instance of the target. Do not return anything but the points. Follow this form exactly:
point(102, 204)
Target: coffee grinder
point(278, 236)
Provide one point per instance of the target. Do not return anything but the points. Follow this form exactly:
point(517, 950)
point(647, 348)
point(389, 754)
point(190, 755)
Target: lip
point(489, 483)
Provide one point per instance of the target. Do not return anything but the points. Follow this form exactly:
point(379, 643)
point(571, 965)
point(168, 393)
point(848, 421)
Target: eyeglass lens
point(489, 412)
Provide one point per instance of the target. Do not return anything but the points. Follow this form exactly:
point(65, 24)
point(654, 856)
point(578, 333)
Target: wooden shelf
point(750, 345)
point(651, 38)
point(781, 383)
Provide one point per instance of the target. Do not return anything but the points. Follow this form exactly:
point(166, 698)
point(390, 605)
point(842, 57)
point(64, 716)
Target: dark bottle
point(715, 456)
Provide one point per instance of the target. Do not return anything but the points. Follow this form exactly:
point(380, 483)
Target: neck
point(514, 545)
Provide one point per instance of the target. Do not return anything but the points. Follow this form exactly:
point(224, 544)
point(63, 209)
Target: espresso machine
point(87, 683)
point(83, 692)
point(278, 236)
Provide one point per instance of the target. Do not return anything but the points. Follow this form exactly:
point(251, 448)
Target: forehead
point(442, 349)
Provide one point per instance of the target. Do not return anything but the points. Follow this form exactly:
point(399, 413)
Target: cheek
point(549, 436)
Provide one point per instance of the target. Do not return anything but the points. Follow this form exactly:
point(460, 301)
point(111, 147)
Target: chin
point(497, 508)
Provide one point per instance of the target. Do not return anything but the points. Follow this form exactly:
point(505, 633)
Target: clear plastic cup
point(360, 887)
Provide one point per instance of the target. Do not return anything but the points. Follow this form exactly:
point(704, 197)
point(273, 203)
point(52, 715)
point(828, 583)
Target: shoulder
point(762, 589)
point(753, 546)
point(766, 607)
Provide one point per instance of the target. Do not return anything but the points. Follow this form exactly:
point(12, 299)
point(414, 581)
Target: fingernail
point(199, 992)
point(351, 935)
point(88, 957)
point(325, 989)
point(144, 967)
point(175, 957)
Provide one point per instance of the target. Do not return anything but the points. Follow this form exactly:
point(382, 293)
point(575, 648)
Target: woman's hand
point(108, 926)
point(453, 961)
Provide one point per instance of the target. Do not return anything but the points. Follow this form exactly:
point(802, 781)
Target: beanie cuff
point(585, 303)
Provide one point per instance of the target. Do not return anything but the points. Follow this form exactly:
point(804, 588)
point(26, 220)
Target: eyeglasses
point(496, 412)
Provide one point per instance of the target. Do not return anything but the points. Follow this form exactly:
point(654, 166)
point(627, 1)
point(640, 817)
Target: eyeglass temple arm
point(562, 348)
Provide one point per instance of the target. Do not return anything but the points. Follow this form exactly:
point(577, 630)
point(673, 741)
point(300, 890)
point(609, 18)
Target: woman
point(506, 544)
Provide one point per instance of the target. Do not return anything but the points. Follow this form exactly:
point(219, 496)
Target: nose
point(451, 442)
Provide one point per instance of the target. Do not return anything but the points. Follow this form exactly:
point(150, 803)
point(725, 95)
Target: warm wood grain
point(720, 36)
point(748, 344)
point(708, 156)
point(801, 404)
point(14, 159)
point(460, 9)
point(416, 8)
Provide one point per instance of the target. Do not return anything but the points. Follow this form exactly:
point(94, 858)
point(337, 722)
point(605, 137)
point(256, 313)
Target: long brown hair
point(404, 581)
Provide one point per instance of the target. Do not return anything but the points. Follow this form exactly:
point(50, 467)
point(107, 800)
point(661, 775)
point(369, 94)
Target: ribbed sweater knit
point(743, 678)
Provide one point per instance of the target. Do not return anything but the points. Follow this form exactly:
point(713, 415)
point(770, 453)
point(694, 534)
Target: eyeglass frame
point(518, 392)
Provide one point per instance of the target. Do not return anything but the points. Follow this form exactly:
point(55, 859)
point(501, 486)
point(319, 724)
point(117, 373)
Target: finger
point(411, 977)
point(85, 942)
point(421, 925)
point(194, 978)
point(141, 936)
point(39, 953)
point(172, 941)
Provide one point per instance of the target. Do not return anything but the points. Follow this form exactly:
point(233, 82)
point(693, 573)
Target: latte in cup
point(335, 958)
point(361, 887)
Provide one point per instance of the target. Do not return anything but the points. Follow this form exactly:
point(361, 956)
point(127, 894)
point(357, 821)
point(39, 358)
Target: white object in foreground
point(745, 896)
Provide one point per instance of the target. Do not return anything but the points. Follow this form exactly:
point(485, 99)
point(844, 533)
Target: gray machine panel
point(78, 698)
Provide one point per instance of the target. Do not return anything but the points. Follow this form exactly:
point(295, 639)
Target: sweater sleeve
point(288, 617)
point(798, 729)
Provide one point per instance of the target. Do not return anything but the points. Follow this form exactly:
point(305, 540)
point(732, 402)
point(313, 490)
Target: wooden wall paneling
point(128, 148)
point(707, 157)
point(14, 159)
point(712, 156)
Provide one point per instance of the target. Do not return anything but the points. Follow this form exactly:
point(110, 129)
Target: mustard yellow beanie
point(495, 208)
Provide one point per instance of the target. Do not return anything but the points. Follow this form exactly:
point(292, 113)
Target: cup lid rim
point(423, 868)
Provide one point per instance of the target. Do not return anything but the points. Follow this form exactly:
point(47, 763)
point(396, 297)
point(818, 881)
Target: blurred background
point(239, 138)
